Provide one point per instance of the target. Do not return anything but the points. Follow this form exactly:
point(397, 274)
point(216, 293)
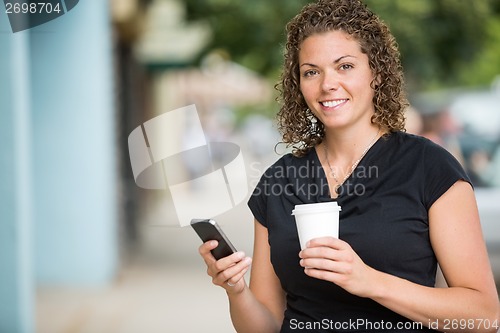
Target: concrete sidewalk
point(144, 298)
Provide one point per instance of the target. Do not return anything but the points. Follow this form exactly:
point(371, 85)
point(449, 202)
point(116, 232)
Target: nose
point(330, 81)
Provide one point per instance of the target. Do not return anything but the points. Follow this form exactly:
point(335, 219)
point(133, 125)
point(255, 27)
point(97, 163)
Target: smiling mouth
point(331, 104)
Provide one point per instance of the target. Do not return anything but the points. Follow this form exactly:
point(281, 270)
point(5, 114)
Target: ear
point(377, 81)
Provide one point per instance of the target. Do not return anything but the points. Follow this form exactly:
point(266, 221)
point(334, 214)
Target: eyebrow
point(336, 61)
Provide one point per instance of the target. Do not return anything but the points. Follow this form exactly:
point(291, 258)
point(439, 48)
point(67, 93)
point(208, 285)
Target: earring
point(311, 116)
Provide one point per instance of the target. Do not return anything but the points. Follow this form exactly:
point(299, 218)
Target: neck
point(346, 146)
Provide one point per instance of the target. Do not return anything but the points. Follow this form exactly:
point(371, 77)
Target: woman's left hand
point(334, 260)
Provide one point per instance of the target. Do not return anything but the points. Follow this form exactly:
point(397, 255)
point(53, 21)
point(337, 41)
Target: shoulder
point(437, 168)
point(417, 145)
point(419, 154)
point(289, 162)
point(410, 140)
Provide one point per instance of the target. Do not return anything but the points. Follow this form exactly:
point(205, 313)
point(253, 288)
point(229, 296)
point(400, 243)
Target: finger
point(239, 270)
point(232, 283)
point(224, 263)
point(332, 242)
point(327, 265)
point(239, 276)
point(318, 252)
point(326, 252)
point(233, 273)
point(205, 249)
point(334, 277)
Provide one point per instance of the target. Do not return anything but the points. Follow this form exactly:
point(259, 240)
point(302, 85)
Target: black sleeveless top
point(384, 218)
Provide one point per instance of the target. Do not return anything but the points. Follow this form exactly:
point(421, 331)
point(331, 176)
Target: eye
point(310, 72)
point(346, 67)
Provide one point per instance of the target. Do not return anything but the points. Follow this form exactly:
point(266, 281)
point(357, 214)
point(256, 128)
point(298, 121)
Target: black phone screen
point(208, 229)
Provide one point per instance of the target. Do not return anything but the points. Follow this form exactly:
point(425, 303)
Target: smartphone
point(208, 229)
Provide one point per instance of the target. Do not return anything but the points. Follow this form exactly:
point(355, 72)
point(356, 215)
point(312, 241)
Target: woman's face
point(335, 80)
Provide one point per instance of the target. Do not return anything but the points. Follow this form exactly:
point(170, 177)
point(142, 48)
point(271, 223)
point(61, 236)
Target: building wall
point(74, 156)
point(58, 163)
point(16, 277)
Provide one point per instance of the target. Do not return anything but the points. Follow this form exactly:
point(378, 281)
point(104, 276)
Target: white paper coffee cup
point(316, 220)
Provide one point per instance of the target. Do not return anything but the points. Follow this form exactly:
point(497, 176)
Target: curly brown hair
point(299, 128)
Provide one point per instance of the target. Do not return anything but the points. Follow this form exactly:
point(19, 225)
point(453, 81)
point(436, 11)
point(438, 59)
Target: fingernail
point(240, 255)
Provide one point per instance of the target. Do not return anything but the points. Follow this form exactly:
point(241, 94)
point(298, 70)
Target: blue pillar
point(16, 278)
point(75, 171)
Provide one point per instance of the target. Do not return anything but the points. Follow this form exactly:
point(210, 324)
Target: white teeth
point(331, 104)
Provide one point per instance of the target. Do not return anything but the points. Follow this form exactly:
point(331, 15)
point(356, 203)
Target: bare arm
point(260, 307)
point(457, 240)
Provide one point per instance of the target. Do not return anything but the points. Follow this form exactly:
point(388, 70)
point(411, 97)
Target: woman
point(407, 204)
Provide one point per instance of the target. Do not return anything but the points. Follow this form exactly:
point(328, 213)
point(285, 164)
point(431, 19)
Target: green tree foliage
point(443, 42)
point(252, 32)
point(438, 37)
point(485, 67)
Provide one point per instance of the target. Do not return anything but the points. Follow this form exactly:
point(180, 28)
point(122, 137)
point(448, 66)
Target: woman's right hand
point(226, 272)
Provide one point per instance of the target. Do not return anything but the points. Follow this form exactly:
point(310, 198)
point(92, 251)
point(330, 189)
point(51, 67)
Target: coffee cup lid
point(316, 208)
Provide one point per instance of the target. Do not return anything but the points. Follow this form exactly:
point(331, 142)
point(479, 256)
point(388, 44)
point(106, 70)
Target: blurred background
point(83, 248)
